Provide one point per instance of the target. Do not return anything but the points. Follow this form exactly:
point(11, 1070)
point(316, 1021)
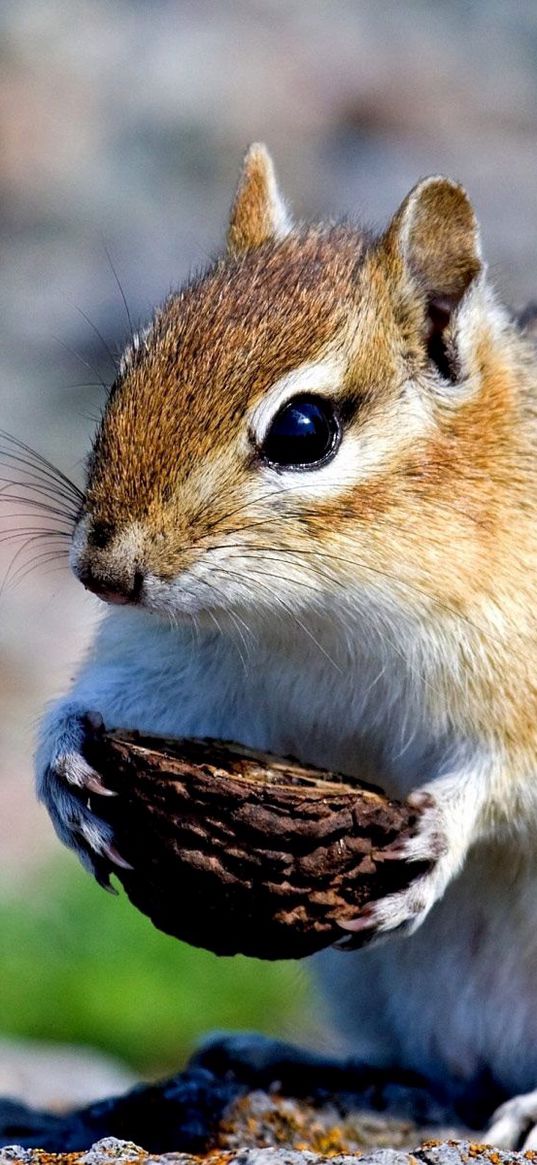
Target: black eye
point(304, 434)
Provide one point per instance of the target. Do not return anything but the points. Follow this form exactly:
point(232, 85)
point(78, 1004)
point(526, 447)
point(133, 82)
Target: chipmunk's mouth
point(124, 592)
point(113, 597)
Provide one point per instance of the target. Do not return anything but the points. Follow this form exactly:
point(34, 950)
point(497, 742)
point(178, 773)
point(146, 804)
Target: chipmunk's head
point(299, 425)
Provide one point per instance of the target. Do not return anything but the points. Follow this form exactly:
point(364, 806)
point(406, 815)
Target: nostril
point(100, 534)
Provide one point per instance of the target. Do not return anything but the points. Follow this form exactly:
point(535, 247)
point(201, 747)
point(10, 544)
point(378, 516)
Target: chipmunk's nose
point(106, 564)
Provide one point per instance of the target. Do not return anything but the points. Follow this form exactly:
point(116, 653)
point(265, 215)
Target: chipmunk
point(311, 507)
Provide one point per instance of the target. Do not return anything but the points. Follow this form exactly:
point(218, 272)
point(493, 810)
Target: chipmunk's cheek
point(177, 598)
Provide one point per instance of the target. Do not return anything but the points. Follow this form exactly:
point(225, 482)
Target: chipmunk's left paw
point(514, 1125)
point(405, 910)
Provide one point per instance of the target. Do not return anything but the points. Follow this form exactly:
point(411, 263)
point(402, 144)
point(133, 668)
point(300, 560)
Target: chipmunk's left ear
point(258, 213)
point(436, 234)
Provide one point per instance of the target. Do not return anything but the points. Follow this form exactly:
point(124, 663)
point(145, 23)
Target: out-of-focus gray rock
point(59, 1076)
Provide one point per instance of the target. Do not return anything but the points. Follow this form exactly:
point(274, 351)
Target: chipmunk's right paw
point(70, 788)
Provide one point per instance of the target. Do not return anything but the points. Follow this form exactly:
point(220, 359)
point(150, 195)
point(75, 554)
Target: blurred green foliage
point(78, 965)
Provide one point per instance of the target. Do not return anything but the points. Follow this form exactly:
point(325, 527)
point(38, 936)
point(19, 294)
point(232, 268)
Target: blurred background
point(122, 127)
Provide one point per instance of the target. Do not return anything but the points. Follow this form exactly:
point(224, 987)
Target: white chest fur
point(459, 993)
point(349, 712)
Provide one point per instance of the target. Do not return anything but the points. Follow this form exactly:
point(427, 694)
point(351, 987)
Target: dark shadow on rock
point(196, 1110)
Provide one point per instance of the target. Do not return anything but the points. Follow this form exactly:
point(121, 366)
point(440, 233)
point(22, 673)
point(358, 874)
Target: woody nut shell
point(239, 851)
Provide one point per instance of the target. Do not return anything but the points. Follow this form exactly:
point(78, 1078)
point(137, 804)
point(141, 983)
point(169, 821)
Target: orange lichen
point(276, 1121)
point(138, 1157)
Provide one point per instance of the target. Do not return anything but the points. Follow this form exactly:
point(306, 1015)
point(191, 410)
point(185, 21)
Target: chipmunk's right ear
point(435, 233)
point(258, 213)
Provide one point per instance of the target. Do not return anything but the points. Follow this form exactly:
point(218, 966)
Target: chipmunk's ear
point(258, 212)
point(436, 234)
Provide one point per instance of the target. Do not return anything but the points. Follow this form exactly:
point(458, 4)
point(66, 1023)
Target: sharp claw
point(102, 877)
point(398, 853)
point(114, 856)
point(94, 785)
point(364, 921)
point(107, 885)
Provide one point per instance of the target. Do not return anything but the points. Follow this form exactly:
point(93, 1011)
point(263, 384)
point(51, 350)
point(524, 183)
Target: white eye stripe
point(365, 451)
point(327, 480)
point(318, 376)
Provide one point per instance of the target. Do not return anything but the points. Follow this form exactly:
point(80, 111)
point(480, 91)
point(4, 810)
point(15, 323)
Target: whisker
point(289, 611)
point(397, 651)
point(9, 572)
point(32, 479)
point(95, 418)
point(312, 512)
point(95, 329)
point(299, 583)
point(37, 561)
point(51, 570)
point(121, 291)
point(35, 506)
point(409, 588)
point(214, 618)
point(77, 356)
point(221, 520)
point(39, 480)
point(236, 619)
point(34, 486)
point(84, 384)
point(38, 462)
point(14, 535)
point(236, 622)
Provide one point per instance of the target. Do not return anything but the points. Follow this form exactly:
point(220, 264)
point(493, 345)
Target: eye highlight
point(304, 434)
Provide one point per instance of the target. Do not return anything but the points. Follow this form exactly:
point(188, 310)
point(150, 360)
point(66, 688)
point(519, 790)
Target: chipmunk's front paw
point(70, 789)
point(405, 910)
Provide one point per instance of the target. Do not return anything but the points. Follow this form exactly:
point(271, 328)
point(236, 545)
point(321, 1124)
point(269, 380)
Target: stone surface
point(58, 1076)
point(109, 1150)
point(251, 1101)
point(203, 1111)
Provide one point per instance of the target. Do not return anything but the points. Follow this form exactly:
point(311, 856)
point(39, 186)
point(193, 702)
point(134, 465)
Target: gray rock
point(59, 1076)
point(16, 1153)
point(109, 1149)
